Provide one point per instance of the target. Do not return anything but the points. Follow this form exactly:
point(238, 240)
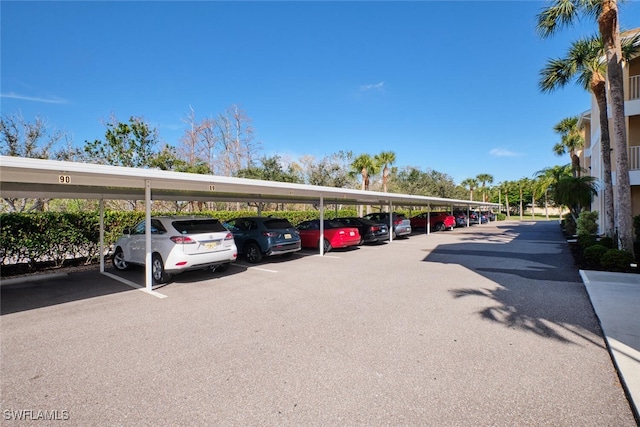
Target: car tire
point(440, 227)
point(118, 260)
point(253, 253)
point(157, 270)
point(327, 246)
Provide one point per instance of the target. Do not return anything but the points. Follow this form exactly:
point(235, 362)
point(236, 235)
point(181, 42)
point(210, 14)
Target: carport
point(37, 178)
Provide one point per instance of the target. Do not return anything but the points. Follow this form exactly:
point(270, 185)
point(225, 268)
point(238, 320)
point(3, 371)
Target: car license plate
point(287, 236)
point(211, 245)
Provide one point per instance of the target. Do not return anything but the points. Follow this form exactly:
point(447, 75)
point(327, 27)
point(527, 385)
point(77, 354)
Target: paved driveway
point(489, 325)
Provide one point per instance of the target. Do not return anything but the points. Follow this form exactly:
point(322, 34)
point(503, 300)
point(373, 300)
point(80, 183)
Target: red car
point(438, 221)
point(336, 235)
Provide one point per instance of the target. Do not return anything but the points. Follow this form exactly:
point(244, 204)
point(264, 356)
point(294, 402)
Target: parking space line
point(254, 268)
point(134, 285)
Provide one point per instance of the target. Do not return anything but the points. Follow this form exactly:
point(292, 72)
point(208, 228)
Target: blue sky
point(447, 85)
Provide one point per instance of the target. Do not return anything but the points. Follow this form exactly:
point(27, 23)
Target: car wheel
point(327, 246)
point(118, 260)
point(253, 253)
point(157, 270)
point(439, 227)
point(394, 235)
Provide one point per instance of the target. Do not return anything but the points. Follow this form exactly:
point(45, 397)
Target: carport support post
point(147, 234)
point(427, 228)
point(390, 221)
point(321, 226)
point(101, 235)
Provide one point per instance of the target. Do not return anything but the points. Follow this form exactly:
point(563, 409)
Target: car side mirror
point(126, 231)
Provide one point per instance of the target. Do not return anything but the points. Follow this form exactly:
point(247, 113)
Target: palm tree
point(384, 160)
point(576, 193)
point(585, 64)
point(366, 166)
point(470, 183)
point(563, 13)
point(548, 179)
point(570, 140)
point(505, 187)
point(484, 178)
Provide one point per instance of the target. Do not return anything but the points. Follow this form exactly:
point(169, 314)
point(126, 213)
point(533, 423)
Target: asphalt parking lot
point(487, 325)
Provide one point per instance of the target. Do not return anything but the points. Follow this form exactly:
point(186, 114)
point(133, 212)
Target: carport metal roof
point(36, 178)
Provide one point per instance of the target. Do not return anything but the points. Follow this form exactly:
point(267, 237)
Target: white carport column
point(101, 235)
point(390, 221)
point(321, 226)
point(427, 228)
point(147, 233)
point(468, 216)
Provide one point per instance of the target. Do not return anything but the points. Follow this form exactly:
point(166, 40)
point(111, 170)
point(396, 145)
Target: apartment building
point(591, 156)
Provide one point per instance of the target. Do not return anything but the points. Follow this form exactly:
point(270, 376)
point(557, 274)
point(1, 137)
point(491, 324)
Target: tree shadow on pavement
point(539, 288)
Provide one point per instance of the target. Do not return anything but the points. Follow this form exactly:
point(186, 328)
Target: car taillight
point(229, 236)
point(341, 232)
point(375, 228)
point(182, 240)
point(270, 234)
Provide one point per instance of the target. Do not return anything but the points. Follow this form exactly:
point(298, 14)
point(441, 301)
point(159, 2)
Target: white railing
point(634, 158)
point(634, 87)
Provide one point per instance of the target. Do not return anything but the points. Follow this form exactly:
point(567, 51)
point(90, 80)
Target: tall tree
point(484, 179)
point(366, 166)
point(548, 179)
point(571, 140)
point(471, 184)
point(384, 160)
point(562, 13)
point(131, 144)
point(33, 139)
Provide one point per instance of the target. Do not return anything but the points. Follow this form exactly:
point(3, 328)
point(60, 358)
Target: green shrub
point(569, 225)
point(593, 254)
point(607, 242)
point(616, 260)
point(587, 223)
point(586, 240)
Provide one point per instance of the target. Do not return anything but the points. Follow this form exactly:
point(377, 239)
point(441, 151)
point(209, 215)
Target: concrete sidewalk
point(616, 300)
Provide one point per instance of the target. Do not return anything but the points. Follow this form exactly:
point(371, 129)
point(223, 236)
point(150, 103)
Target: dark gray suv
point(257, 237)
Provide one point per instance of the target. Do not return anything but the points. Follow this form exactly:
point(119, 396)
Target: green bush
point(593, 254)
point(586, 240)
point(607, 242)
point(587, 223)
point(616, 260)
point(569, 225)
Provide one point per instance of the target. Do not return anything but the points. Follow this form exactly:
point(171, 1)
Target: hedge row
point(57, 237)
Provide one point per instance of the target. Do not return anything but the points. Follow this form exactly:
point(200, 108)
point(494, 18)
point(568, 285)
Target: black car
point(370, 231)
point(401, 225)
point(257, 237)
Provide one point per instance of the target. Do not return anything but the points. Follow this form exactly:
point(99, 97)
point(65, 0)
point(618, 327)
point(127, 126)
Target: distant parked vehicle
point(438, 221)
point(257, 237)
point(401, 225)
point(178, 244)
point(370, 231)
point(336, 235)
point(476, 217)
point(461, 218)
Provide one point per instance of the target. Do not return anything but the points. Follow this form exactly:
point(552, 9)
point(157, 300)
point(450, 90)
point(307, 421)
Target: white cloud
point(365, 88)
point(501, 152)
point(53, 100)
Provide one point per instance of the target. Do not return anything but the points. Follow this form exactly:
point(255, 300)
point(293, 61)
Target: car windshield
point(197, 226)
point(276, 224)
